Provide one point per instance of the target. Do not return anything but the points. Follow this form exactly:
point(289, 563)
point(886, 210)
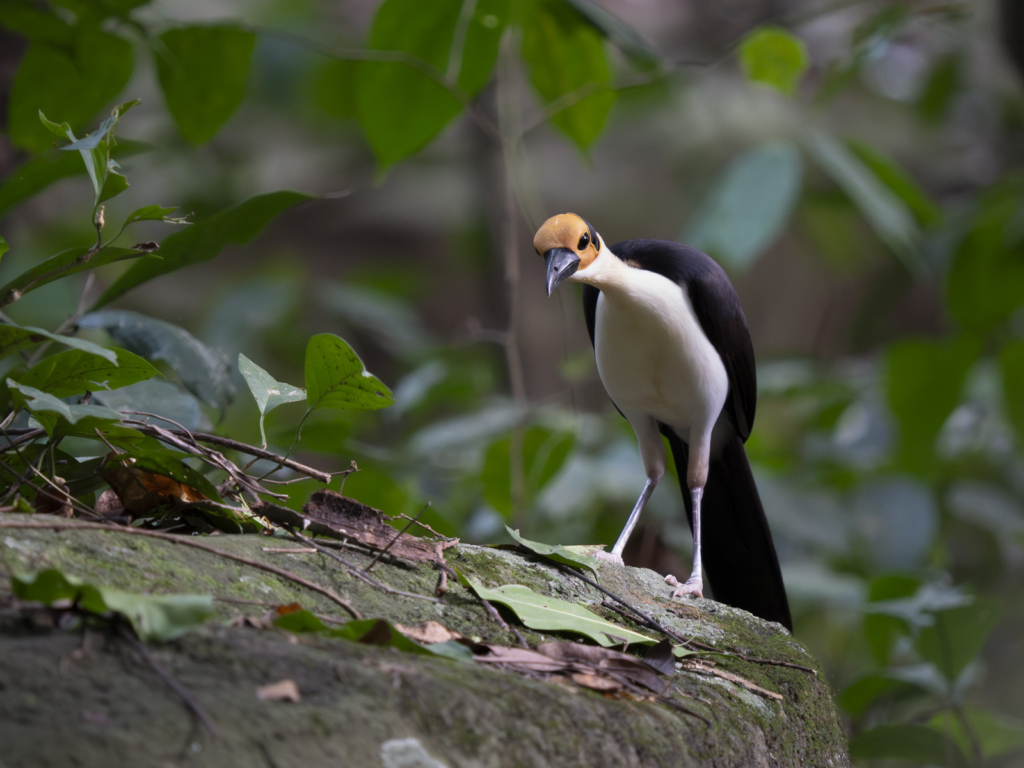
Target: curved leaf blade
point(337, 378)
point(63, 264)
point(268, 391)
point(48, 409)
point(75, 372)
point(14, 338)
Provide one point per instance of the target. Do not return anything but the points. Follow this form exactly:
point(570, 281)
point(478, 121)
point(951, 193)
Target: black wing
point(717, 308)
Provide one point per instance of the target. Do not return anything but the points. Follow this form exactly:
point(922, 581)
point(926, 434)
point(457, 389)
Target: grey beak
point(560, 263)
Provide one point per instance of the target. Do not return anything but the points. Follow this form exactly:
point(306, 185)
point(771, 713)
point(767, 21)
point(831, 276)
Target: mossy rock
point(65, 700)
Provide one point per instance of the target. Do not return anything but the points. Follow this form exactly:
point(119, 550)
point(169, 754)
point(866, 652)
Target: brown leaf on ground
point(282, 690)
point(330, 514)
point(520, 658)
point(595, 682)
point(141, 491)
point(428, 632)
point(50, 501)
point(108, 504)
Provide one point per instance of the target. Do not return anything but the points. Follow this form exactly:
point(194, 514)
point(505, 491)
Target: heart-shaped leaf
point(337, 378)
point(268, 391)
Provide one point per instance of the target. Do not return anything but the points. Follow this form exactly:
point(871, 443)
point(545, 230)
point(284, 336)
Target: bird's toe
point(693, 586)
point(609, 557)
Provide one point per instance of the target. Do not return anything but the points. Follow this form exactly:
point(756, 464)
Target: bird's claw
point(609, 557)
point(692, 586)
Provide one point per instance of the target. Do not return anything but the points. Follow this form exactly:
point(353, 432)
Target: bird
point(674, 354)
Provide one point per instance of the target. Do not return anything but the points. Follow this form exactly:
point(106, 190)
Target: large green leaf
point(65, 263)
point(36, 24)
point(153, 617)
point(544, 453)
point(268, 391)
point(14, 338)
point(205, 239)
point(956, 637)
point(71, 82)
point(75, 372)
point(924, 381)
point(336, 377)
point(555, 552)
point(750, 204)
point(986, 282)
point(908, 742)
point(995, 733)
point(203, 72)
point(888, 215)
point(565, 53)
point(203, 371)
point(48, 410)
point(772, 56)
point(39, 172)
point(1011, 361)
point(549, 614)
point(400, 108)
point(856, 698)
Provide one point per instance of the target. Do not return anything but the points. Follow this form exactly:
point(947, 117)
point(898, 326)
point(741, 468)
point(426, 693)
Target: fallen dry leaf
point(520, 658)
point(428, 632)
point(330, 514)
point(282, 690)
point(594, 682)
point(141, 491)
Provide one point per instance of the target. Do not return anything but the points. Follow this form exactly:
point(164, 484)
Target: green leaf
point(898, 181)
point(565, 53)
point(14, 338)
point(400, 108)
point(887, 214)
point(996, 733)
point(203, 371)
point(268, 391)
point(772, 56)
point(370, 632)
point(944, 82)
point(159, 396)
point(544, 453)
point(986, 282)
point(1011, 361)
point(205, 239)
point(4, 248)
point(39, 172)
point(908, 742)
point(750, 204)
point(36, 24)
point(619, 34)
point(925, 378)
point(956, 637)
point(75, 372)
point(65, 263)
point(155, 213)
point(73, 82)
point(48, 410)
point(158, 618)
point(856, 698)
point(203, 72)
point(549, 614)
point(555, 552)
point(336, 377)
point(882, 631)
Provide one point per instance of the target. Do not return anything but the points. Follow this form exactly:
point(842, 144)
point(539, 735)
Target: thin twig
point(357, 572)
point(189, 542)
point(186, 698)
point(669, 701)
point(397, 537)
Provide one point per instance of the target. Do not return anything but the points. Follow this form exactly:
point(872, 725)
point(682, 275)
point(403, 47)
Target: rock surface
point(68, 698)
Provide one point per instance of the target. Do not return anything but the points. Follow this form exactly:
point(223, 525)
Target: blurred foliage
point(893, 478)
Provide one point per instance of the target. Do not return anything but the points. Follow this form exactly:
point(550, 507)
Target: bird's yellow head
point(568, 244)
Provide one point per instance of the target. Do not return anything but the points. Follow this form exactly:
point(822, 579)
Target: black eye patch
point(584, 242)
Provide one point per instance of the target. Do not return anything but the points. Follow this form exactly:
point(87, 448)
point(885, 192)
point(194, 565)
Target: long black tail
point(739, 555)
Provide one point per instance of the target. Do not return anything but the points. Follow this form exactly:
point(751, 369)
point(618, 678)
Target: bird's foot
point(693, 586)
point(609, 557)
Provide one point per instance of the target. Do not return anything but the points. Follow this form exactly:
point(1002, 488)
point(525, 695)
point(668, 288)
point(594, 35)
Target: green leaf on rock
point(73, 82)
point(203, 371)
point(549, 614)
point(268, 391)
point(205, 239)
point(336, 377)
point(772, 56)
point(565, 54)
point(555, 552)
point(158, 618)
point(750, 204)
point(75, 372)
point(402, 108)
point(203, 72)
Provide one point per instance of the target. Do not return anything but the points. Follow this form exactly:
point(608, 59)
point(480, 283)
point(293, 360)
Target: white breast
point(653, 356)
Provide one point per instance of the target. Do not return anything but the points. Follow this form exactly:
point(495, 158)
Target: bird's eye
point(584, 242)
